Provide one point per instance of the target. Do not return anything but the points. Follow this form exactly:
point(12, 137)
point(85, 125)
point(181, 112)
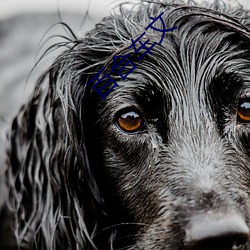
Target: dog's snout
point(217, 232)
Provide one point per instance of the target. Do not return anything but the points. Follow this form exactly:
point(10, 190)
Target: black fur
point(77, 181)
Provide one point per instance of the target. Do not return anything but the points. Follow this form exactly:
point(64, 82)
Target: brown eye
point(243, 113)
point(130, 121)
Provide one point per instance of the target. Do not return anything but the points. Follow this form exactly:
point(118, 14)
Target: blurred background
point(25, 26)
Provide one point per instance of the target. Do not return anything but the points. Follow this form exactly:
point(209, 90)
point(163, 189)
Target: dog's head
point(163, 161)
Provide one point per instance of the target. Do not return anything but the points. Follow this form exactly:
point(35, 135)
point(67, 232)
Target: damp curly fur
point(70, 176)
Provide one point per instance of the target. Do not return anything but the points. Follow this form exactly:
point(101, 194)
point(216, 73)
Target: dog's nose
point(217, 232)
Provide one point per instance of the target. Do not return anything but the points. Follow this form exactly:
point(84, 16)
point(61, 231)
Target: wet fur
point(76, 181)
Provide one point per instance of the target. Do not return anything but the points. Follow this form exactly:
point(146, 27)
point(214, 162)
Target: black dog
point(162, 163)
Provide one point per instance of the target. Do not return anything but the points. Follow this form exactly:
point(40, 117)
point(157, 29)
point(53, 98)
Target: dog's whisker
point(115, 226)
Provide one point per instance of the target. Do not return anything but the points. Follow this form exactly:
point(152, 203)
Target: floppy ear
point(51, 186)
point(53, 197)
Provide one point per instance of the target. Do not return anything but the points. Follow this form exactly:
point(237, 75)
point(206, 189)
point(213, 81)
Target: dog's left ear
point(53, 197)
point(52, 192)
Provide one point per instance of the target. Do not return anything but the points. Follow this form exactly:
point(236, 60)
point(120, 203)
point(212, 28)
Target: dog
point(162, 162)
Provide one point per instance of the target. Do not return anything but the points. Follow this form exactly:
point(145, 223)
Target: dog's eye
point(130, 121)
point(243, 113)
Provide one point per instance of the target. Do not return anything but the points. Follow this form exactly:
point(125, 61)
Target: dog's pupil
point(244, 111)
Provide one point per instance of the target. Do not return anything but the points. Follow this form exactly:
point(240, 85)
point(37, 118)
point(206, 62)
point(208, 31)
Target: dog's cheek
point(131, 172)
point(244, 139)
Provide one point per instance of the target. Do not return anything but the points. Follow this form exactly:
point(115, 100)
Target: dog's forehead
point(207, 55)
point(191, 58)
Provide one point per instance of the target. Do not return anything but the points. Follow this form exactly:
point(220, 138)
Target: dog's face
point(163, 162)
point(174, 138)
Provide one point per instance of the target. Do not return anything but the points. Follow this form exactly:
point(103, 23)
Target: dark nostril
point(223, 242)
point(240, 241)
point(217, 232)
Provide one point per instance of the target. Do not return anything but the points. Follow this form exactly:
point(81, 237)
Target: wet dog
point(162, 162)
